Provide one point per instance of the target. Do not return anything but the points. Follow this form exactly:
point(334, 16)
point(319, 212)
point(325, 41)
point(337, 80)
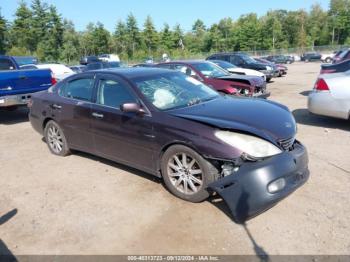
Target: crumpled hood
point(263, 118)
point(253, 80)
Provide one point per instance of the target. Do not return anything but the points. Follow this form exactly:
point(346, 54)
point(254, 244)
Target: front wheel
point(187, 174)
point(55, 139)
point(328, 60)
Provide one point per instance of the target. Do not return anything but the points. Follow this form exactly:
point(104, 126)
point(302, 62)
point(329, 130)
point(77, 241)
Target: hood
point(246, 71)
point(263, 118)
point(253, 80)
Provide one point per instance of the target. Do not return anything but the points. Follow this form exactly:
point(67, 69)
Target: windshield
point(210, 70)
point(248, 59)
point(174, 90)
point(25, 60)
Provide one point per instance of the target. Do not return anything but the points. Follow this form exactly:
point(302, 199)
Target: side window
point(113, 93)
point(6, 64)
point(236, 60)
point(80, 89)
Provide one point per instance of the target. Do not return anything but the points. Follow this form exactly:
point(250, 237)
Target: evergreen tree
point(150, 35)
point(3, 34)
point(70, 48)
point(21, 31)
point(121, 38)
point(133, 34)
point(166, 38)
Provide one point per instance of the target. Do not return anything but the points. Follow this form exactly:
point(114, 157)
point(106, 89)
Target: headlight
point(251, 145)
point(268, 68)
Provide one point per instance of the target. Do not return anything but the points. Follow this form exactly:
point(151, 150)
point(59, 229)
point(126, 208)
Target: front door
point(125, 137)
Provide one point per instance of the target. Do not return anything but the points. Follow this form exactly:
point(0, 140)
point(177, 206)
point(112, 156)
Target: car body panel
point(336, 101)
point(246, 191)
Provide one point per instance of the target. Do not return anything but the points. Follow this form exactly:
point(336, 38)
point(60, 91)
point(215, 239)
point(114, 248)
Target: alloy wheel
point(55, 139)
point(185, 173)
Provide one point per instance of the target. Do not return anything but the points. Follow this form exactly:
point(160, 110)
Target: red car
point(215, 77)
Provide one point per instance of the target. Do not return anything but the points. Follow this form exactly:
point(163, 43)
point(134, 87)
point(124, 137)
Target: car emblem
point(288, 125)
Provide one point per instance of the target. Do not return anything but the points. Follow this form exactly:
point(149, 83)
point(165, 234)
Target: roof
point(191, 62)
point(133, 72)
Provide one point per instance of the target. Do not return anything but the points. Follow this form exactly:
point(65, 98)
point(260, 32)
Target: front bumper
point(246, 191)
point(263, 95)
point(14, 100)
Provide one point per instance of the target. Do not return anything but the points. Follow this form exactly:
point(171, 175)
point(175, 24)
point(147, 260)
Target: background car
point(244, 61)
point(335, 68)
point(78, 68)
point(59, 71)
point(311, 56)
point(331, 96)
point(17, 84)
point(280, 59)
point(85, 60)
point(215, 77)
point(342, 56)
point(109, 58)
point(275, 70)
point(102, 65)
point(178, 129)
point(238, 70)
point(327, 58)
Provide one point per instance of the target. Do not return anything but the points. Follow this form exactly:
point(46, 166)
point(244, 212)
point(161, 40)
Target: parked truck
point(17, 85)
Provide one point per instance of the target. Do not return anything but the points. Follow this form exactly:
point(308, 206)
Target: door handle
point(23, 77)
point(54, 106)
point(97, 115)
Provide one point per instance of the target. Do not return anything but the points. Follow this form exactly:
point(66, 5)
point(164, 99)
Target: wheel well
point(46, 121)
point(165, 148)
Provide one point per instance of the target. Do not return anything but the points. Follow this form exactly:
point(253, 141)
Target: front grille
point(287, 144)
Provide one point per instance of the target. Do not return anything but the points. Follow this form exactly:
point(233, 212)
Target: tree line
point(39, 29)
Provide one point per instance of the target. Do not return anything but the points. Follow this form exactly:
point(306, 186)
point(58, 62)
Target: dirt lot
point(86, 205)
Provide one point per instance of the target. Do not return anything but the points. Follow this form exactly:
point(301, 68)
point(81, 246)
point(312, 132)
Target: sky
point(184, 12)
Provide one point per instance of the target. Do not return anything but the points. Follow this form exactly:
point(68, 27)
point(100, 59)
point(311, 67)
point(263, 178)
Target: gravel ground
point(82, 204)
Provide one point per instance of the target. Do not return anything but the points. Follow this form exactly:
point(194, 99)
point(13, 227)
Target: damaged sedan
point(177, 128)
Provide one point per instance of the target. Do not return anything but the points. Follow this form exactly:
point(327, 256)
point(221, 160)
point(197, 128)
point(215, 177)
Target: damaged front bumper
point(246, 192)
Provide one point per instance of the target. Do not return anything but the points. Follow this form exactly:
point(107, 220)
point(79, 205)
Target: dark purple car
point(175, 127)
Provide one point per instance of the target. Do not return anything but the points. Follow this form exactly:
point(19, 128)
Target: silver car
point(331, 96)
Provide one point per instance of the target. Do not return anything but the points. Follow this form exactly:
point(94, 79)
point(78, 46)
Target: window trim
point(75, 78)
point(102, 76)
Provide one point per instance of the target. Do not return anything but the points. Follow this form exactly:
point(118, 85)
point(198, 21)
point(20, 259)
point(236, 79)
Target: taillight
point(53, 79)
point(321, 85)
point(328, 71)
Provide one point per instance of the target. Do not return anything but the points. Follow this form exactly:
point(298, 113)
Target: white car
point(331, 96)
point(109, 58)
point(59, 71)
point(327, 58)
point(238, 70)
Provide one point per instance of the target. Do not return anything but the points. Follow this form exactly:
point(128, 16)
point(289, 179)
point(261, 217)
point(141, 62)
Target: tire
point(268, 79)
point(55, 139)
point(328, 60)
point(197, 177)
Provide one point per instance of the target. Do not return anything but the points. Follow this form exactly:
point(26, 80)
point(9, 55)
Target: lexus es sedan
point(177, 128)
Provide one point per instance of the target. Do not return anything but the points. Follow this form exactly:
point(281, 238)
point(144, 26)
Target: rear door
point(125, 137)
point(72, 110)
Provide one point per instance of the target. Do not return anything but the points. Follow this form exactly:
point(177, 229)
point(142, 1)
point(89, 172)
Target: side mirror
point(132, 108)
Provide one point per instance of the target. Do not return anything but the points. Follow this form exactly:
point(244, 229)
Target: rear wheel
point(55, 139)
point(187, 174)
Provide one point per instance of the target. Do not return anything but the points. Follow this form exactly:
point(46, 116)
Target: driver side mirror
point(132, 108)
